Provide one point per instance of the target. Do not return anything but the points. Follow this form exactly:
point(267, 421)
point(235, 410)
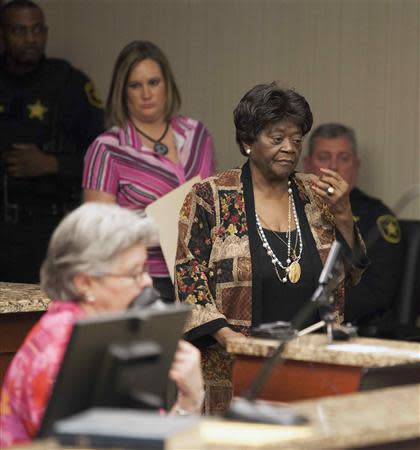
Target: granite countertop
point(357, 420)
point(370, 418)
point(20, 297)
point(314, 347)
point(364, 418)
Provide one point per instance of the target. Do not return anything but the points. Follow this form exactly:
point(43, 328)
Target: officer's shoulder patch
point(389, 228)
point(92, 96)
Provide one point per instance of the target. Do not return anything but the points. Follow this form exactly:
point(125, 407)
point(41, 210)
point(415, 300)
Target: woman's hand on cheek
point(186, 373)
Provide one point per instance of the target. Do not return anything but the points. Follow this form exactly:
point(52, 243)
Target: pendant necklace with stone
point(158, 146)
point(292, 270)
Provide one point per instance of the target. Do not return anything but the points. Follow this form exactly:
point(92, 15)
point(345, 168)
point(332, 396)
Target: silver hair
point(332, 131)
point(87, 241)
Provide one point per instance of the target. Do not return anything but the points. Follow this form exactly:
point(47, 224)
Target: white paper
point(165, 212)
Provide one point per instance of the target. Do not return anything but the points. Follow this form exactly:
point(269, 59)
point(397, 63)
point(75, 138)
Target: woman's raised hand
point(335, 192)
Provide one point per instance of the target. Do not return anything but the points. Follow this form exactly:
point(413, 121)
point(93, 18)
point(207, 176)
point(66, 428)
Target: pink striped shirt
point(118, 163)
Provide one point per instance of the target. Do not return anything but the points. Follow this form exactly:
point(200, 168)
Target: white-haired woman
point(95, 263)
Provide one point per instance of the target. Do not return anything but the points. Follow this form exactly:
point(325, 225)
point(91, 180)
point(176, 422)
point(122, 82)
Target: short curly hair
point(265, 104)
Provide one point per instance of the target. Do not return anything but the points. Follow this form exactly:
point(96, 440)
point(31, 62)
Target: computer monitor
point(116, 360)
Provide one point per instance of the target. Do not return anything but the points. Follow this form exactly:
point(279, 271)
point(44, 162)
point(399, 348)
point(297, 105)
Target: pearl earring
point(248, 151)
point(89, 297)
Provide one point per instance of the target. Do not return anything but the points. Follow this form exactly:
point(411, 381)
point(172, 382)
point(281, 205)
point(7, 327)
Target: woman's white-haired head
point(87, 241)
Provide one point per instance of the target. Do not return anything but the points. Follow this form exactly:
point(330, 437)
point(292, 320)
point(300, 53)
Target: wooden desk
point(314, 369)
point(21, 305)
point(383, 419)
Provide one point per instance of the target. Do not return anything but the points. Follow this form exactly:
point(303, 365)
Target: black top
point(282, 301)
point(313, 264)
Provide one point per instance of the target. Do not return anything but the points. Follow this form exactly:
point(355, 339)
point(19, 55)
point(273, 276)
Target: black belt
point(14, 213)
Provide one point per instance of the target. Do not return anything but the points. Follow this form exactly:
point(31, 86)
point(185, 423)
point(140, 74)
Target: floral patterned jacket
point(214, 271)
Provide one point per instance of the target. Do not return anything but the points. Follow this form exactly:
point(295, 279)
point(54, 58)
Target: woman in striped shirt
point(148, 149)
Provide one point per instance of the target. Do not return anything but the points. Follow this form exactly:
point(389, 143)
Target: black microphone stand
point(246, 408)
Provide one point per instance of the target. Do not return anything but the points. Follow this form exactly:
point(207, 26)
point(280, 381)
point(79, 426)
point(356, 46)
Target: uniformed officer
point(49, 114)
point(334, 146)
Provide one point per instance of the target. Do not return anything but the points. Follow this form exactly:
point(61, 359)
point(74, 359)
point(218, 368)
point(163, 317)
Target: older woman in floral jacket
point(252, 241)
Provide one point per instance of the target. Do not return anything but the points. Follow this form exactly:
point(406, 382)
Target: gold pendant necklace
point(294, 272)
point(292, 269)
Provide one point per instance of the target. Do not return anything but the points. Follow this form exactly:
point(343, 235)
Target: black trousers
point(23, 246)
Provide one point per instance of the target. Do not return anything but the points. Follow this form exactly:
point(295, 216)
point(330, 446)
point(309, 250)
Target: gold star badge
point(1, 109)
point(389, 228)
point(37, 110)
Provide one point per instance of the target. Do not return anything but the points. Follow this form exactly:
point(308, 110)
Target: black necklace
point(159, 147)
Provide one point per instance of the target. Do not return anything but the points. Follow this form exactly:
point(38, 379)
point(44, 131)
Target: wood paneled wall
point(356, 61)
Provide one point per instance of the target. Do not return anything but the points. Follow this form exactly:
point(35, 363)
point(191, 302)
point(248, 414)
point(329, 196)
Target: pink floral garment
point(32, 372)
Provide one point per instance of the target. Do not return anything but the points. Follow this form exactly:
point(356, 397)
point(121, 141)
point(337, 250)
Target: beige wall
point(356, 61)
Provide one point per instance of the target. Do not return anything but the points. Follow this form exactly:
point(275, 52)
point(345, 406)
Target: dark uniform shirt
point(380, 282)
point(54, 107)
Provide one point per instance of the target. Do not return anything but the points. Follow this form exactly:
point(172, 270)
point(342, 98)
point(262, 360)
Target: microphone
point(322, 296)
point(331, 264)
point(148, 298)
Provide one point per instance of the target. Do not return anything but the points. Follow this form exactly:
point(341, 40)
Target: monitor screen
point(116, 360)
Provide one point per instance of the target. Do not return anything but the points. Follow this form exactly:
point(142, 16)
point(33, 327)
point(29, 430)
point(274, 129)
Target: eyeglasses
point(137, 277)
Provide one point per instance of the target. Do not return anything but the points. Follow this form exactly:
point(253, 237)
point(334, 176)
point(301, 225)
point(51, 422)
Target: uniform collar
point(25, 76)
point(356, 193)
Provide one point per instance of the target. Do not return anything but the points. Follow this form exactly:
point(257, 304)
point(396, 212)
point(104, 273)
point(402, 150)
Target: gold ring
point(330, 191)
